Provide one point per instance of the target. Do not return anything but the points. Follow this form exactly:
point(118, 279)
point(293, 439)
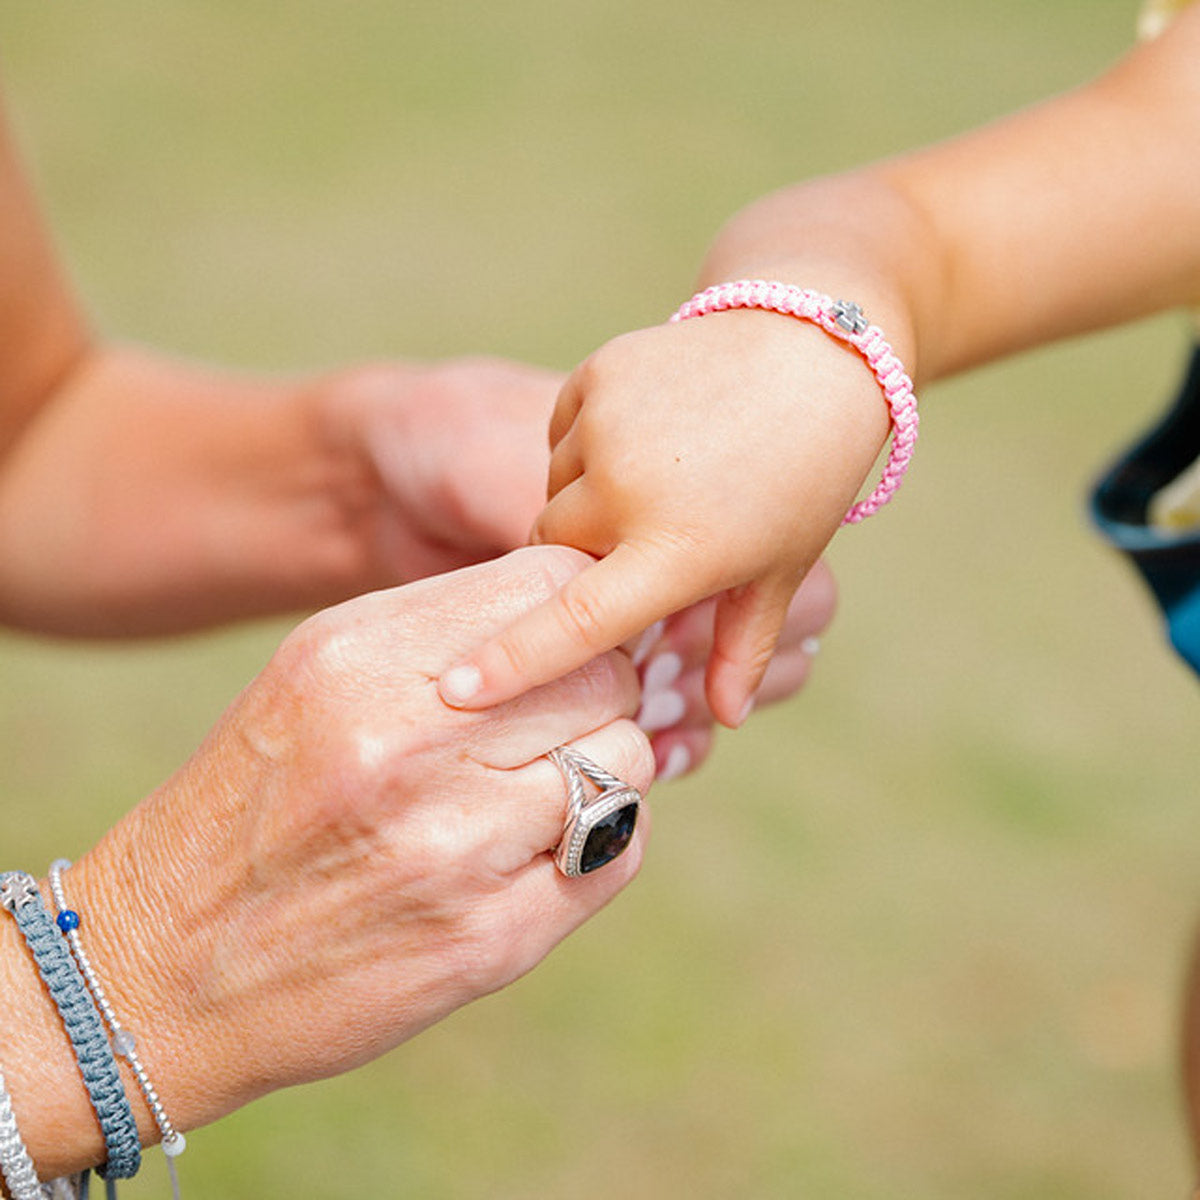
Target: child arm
point(718, 456)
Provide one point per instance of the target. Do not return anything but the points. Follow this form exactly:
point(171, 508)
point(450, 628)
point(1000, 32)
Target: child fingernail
point(661, 710)
point(811, 646)
point(662, 671)
point(747, 709)
point(678, 762)
point(459, 684)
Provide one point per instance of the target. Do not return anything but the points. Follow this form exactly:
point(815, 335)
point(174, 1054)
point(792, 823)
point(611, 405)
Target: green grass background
point(919, 932)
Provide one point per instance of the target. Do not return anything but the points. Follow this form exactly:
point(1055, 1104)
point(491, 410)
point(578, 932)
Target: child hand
point(671, 657)
point(715, 457)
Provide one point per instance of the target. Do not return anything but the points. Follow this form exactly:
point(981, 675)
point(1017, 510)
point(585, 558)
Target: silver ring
point(599, 828)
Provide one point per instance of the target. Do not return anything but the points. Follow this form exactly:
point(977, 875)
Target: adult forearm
point(43, 331)
point(150, 496)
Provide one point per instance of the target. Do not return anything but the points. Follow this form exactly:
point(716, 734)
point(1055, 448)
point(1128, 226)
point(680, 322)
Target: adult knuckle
point(293, 694)
point(552, 567)
point(488, 951)
point(626, 752)
point(319, 647)
point(607, 683)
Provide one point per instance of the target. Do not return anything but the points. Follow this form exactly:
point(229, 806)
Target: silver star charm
point(849, 316)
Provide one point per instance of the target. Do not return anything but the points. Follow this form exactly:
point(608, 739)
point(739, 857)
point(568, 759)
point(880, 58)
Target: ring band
point(598, 829)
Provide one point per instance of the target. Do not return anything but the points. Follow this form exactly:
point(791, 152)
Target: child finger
point(678, 703)
point(689, 633)
point(566, 409)
point(572, 517)
point(594, 612)
point(566, 464)
point(745, 633)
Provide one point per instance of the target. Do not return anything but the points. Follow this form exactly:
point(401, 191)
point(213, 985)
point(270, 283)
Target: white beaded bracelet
point(15, 1164)
point(124, 1044)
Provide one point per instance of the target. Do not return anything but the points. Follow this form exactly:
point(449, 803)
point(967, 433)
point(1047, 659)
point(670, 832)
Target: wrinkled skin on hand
point(346, 860)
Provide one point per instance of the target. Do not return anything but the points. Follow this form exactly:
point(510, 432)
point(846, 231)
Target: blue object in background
point(1168, 560)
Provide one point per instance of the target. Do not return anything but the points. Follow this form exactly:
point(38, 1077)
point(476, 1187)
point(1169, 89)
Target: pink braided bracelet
point(846, 322)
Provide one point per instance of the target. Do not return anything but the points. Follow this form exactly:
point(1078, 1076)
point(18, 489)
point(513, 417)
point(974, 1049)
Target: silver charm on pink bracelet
point(850, 316)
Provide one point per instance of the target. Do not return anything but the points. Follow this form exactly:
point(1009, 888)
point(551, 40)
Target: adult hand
point(457, 450)
point(343, 862)
point(150, 496)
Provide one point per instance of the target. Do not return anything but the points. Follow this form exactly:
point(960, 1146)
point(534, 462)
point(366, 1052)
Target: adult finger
point(680, 751)
point(565, 709)
point(516, 815)
point(437, 619)
point(534, 800)
point(540, 906)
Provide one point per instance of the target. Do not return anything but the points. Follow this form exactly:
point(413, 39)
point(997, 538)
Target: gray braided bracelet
point(81, 1020)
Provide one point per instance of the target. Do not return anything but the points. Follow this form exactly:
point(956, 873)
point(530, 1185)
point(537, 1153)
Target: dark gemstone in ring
point(608, 838)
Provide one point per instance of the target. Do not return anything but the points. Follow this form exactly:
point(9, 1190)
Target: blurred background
point(920, 932)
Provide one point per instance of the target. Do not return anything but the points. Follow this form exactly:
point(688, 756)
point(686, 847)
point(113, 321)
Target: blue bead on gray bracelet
point(81, 1019)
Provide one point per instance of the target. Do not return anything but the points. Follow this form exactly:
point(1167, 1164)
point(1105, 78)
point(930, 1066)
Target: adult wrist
point(125, 928)
point(58, 1124)
point(228, 503)
point(144, 937)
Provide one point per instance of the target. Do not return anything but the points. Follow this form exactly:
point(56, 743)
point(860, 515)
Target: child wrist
point(846, 322)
